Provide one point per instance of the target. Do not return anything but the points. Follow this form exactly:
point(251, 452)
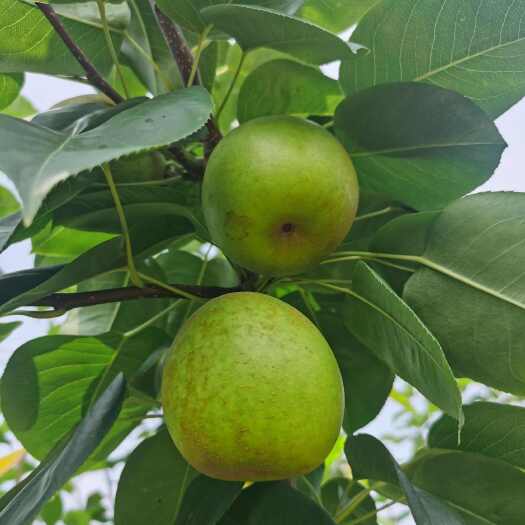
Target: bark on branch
point(94, 77)
point(69, 301)
point(184, 58)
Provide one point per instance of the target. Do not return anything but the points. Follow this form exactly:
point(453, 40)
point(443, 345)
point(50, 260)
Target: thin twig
point(184, 59)
point(111, 47)
point(133, 274)
point(68, 301)
point(232, 85)
point(94, 77)
point(178, 46)
point(196, 61)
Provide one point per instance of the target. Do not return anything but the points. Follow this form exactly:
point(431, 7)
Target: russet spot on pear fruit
point(251, 390)
point(279, 193)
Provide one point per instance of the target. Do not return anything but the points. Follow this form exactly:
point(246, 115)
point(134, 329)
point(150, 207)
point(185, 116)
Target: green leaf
point(229, 57)
point(367, 380)
point(207, 500)
point(8, 204)
point(36, 159)
point(23, 502)
point(276, 503)
point(65, 243)
point(336, 15)
point(421, 144)
point(153, 483)
point(406, 235)
point(95, 211)
point(52, 511)
point(25, 287)
point(8, 226)
point(370, 459)
point(255, 27)
point(187, 12)
point(286, 87)
point(469, 46)
point(491, 429)
point(384, 323)
point(60, 195)
point(6, 329)
point(338, 493)
point(10, 86)
point(151, 59)
point(50, 381)
point(375, 210)
point(20, 108)
point(484, 491)
point(115, 317)
point(473, 276)
point(29, 43)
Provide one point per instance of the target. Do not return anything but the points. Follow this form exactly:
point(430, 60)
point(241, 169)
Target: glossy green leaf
point(229, 57)
point(423, 145)
point(338, 493)
point(29, 43)
point(95, 211)
point(60, 195)
point(6, 329)
point(187, 12)
point(10, 86)
point(285, 87)
point(151, 59)
point(8, 204)
point(22, 503)
point(65, 243)
point(49, 383)
point(255, 27)
point(206, 501)
point(153, 483)
point(367, 380)
point(52, 511)
point(406, 235)
point(25, 287)
point(36, 159)
point(8, 226)
point(473, 276)
point(491, 429)
point(20, 108)
point(370, 459)
point(375, 210)
point(385, 324)
point(335, 15)
point(470, 46)
point(482, 490)
point(276, 503)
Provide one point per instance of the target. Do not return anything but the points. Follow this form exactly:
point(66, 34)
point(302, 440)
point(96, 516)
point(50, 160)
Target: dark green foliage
point(428, 286)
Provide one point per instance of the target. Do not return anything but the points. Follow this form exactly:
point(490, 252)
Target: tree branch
point(184, 58)
point(69, 301)
point(178, 46)
point(94, 77)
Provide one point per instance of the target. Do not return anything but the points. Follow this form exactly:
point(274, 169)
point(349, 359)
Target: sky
point(44, 92)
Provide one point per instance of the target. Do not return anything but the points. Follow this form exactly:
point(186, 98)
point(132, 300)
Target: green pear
point(251, 390)
point(141, 167)
point(279, 194)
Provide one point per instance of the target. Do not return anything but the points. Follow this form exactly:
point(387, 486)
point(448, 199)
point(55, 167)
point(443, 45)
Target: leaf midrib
point(423, 147)
point(455, 63)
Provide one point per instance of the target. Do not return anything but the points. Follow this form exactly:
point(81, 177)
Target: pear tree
point(260, 251)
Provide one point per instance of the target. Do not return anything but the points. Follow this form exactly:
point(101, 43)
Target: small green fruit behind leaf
point(142, 167)
point(279, 193)
point(251, 390)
